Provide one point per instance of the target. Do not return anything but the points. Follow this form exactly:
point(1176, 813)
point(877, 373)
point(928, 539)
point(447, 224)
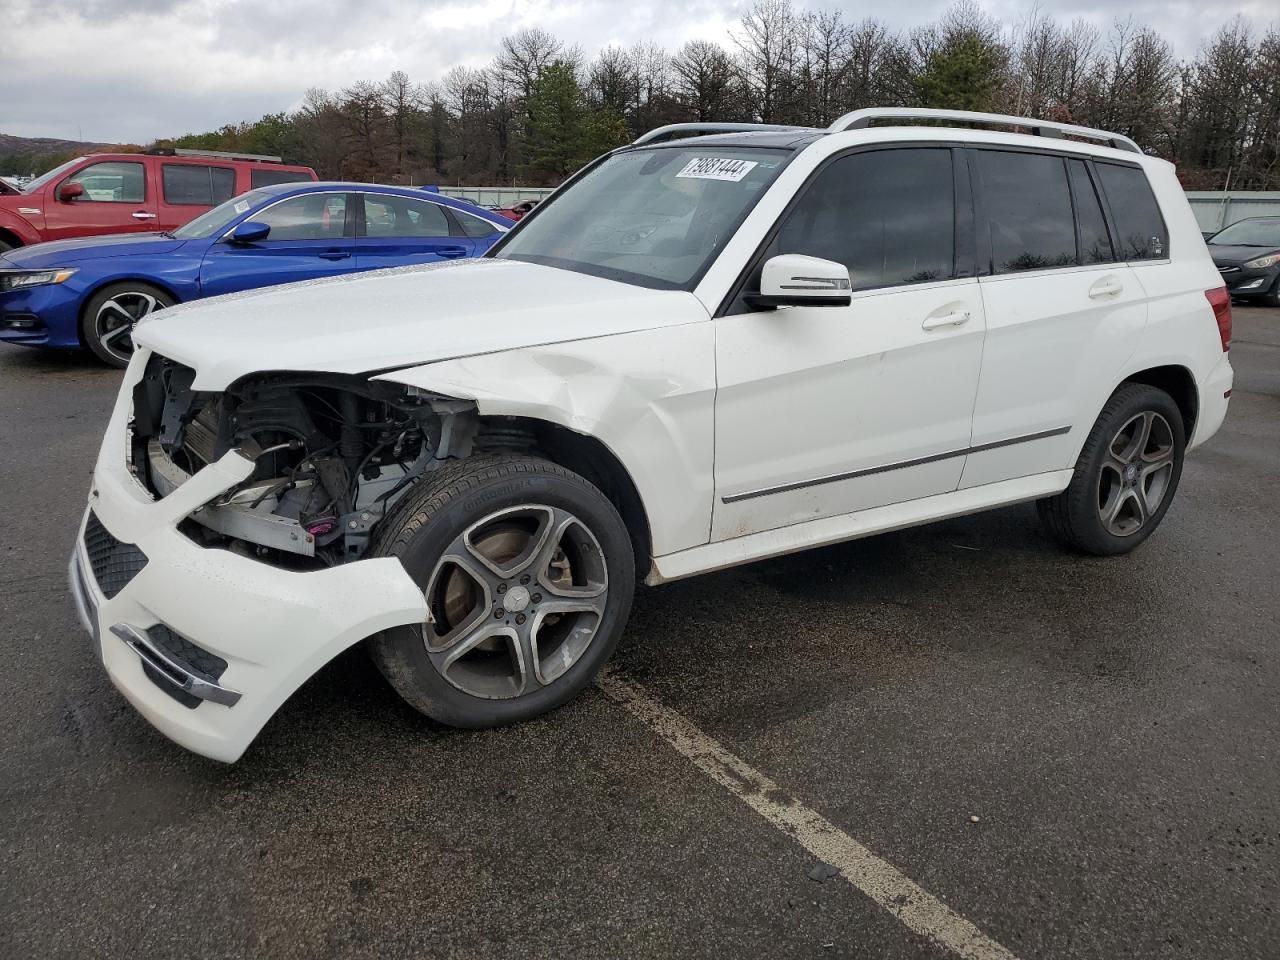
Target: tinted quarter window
point(189, 183)
point(112, 182)
point(888, 215)
point(1095, 243)
point(223, 180)
point(1028, 210)
point(1140, 230)
point(266, 177)
point(475, 226)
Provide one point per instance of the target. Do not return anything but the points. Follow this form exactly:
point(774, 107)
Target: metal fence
point(497, 196)
point(1215, 209)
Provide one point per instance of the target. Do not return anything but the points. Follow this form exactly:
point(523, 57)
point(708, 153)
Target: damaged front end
point(331, 455)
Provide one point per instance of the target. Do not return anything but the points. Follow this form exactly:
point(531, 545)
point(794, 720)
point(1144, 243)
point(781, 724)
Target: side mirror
point(793, 280)
point(70, 191)
point(251, 231)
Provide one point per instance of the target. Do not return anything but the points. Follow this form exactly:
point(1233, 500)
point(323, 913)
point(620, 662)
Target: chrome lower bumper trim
point(171, 670)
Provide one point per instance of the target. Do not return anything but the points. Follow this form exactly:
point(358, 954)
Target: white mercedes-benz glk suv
point(699, 352)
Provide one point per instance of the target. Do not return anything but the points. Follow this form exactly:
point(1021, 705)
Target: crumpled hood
point(1225, 255)
point(403, 317)
point(60, 253)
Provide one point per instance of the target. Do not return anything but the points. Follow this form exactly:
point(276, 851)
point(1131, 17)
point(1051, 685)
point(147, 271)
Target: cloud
point(134, 70)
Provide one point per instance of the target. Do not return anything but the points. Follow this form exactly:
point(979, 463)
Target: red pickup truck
point(132, 193)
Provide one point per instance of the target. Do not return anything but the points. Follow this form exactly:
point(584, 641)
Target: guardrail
point(1214, 209)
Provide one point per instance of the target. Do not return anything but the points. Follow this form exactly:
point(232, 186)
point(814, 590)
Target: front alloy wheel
point(112, 313)
point(516, 600)
point(527, 570)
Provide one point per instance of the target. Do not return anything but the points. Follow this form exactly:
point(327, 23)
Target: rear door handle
point(449, 253)
point(956, 319)
point(334, 255)
point(1106, 287)
point(141, 215)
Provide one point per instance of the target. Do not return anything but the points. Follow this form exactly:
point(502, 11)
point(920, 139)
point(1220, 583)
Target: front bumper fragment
point(273, 627)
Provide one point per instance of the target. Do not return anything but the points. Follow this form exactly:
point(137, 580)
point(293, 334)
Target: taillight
point(1220, 300)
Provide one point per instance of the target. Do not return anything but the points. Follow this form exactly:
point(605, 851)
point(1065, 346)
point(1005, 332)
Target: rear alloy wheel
point(527, 570)
point(106, 326)
point(1126, 476)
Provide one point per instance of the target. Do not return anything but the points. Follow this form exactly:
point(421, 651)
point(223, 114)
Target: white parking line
point(880, 880)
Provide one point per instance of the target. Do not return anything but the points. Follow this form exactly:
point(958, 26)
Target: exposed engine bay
point(332, 454)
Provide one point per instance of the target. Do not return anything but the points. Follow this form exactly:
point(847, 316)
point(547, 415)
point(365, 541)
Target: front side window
point(1140, 230)
point(888, 215)
point(654, 217)
point(113, 181)
point(312, 216)
point(196, 184)
point(1028, 210)
point(392, 216)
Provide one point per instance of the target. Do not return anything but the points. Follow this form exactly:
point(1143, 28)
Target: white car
point(802, 337)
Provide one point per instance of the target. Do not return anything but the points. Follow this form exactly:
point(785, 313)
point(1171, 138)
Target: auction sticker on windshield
point(717, 168)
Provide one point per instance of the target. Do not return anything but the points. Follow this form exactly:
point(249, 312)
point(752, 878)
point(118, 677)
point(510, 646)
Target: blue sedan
point(90, 293)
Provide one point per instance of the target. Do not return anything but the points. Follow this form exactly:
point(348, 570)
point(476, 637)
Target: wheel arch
point(586, 455)
point(11, 238)
point(1177, 381)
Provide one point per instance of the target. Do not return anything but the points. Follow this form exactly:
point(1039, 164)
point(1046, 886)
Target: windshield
point(215, 220)
point(656, 217)
point(39, 182)
point(1263, 232)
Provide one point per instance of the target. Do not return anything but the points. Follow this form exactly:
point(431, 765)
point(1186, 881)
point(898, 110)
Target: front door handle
point(334, 255)
point(142, 215)
point(450, 253)
point(956, 319)
point(1106, 287)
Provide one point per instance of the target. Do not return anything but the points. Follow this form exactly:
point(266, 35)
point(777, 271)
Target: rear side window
point(1140, 230)
point(1095, 243)
point(191, 183)
point(265, 177)
point(1028, 209)
point(392, 216)
point(888, 215)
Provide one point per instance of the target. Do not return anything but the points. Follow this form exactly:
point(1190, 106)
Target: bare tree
point(767, 44)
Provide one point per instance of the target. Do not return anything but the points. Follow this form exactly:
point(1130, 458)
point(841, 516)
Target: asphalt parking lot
point(1076, 756)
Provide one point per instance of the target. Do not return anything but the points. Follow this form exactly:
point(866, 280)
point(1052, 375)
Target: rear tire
point(106, 324)
point(1126, 476)
point(528, 572)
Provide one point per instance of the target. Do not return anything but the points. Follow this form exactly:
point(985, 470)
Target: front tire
point(1126, 476)
point(528, 572)
point(106, 325)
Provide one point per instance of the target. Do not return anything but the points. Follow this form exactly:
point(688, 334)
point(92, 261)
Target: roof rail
point(671, 129)
point(215, 154)
point(859, 119)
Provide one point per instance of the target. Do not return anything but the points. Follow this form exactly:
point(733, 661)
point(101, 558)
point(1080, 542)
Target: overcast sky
point(135, 70)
